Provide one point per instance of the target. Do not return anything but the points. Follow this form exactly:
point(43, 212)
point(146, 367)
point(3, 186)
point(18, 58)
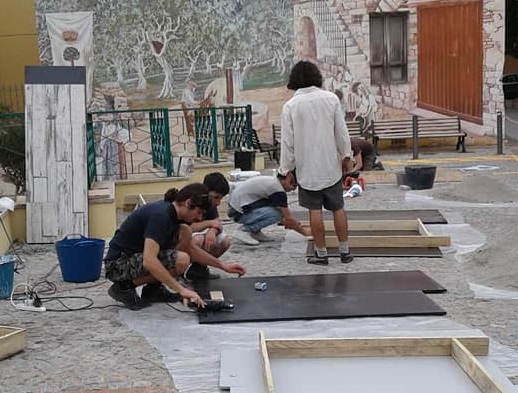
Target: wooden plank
point(392, 241)
point(473, 368)
point(12, 341)
point(62, 182)
point(34, 222)
point(216, 295)
point(79, 168)
point(50, 216)
point(382, 346)
point(422, 229)
point(37, 140)
point(100, 193)
point(375, 225)
point(265, 364)
point(63, 130)
point(79, 222)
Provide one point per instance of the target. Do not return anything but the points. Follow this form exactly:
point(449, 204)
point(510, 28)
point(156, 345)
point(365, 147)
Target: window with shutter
point(388, 46)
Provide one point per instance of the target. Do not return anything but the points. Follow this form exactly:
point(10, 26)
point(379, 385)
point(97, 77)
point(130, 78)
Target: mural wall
point(146, 51)
point(158, 53)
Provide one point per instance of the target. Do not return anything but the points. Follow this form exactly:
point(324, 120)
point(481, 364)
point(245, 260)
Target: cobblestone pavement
point(92, 350)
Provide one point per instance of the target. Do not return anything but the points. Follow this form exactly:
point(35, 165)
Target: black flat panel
point(314, 284)
point(427, 216)
point(389, 252)
point(55, 75)
point(269, 306)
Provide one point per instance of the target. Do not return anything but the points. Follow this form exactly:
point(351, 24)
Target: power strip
point(27, 305)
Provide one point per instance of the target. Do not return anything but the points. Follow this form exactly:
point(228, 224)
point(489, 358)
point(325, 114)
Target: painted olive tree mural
point(158, 45)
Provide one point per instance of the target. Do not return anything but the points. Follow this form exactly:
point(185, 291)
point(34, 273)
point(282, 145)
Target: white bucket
point(183, 165)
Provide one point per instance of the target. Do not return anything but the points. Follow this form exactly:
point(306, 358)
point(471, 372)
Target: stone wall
point(353, 19)
point(493, 35)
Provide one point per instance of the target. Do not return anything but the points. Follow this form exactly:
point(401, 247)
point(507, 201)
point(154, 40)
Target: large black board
point(349, 305)
point(323, 296)
point(427, 216)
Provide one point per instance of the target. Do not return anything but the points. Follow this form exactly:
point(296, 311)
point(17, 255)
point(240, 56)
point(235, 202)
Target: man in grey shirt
point(262, 201)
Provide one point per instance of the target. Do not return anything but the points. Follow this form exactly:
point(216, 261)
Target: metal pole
point(499, 133)
point(415, 141)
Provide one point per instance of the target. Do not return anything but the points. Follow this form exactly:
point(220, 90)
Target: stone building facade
point(337, 33)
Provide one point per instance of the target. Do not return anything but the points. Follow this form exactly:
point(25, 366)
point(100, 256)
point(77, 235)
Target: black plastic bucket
point(420, 177)
point(245, 160)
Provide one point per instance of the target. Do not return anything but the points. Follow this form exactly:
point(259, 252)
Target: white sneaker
point(244, 237)
point(261, 237)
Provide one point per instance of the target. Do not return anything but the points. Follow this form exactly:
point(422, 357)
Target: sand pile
point(493, 265)
point(478, 189)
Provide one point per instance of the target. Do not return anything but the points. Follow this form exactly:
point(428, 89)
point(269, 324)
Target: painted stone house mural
point(383, 55)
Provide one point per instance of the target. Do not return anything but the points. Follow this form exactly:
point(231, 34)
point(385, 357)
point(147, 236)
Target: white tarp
point(72, 42)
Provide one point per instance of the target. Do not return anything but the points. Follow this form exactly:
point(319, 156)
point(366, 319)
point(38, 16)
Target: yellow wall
point(18, 40)
point(123, 189)
point(5, 231)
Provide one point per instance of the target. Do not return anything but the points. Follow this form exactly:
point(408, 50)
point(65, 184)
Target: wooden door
point(55, 150)
point(450, 59)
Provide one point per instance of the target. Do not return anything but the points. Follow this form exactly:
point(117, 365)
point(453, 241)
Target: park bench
point(353, 126)
point(416, 128)
point(273, 150)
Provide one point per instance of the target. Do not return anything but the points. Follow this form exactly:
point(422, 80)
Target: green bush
point(12, 148)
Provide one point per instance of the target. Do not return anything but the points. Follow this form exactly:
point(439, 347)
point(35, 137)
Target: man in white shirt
point(314, 139)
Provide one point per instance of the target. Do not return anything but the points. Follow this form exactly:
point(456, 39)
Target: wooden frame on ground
point(386, 233)
point(12, 341)
point(462, 349)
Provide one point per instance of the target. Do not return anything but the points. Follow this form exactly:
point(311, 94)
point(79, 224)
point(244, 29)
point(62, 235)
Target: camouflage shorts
point(130, 267)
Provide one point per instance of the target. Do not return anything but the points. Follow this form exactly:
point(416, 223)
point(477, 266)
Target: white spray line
point(483, 292)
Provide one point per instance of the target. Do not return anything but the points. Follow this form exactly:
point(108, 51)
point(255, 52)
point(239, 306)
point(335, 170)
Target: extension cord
point(28, 305)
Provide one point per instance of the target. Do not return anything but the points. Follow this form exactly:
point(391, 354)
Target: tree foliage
point(12, 148)
point(218, 31)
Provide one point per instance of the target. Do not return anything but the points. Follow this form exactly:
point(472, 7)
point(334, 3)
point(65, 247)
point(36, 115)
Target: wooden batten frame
point(141, 201)
point(265, 364)
point(404, 241)
point(217, 295)
point(462, 349)
point(422, 238)
point(471, 366)
point(12, 341)
point(372, 225)
point(421, 228)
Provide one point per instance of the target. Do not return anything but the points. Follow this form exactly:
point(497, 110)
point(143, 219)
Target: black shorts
point(130, 267)
point(331, 198)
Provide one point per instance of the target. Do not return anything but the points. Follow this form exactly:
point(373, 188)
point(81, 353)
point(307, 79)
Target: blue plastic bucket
point(6, 275)
point(80, 258)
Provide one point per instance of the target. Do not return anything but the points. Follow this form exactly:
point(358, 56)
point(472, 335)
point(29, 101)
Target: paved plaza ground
point(109, 349)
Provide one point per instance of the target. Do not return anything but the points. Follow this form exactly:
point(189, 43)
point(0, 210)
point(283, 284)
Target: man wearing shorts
point(314, 139)
point(151, 248)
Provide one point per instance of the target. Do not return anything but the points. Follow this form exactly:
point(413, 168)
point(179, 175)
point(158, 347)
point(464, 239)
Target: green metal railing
point(206, 131)
point(237, 122)
point(160, 143)
point(122, 144)
point(90, 150)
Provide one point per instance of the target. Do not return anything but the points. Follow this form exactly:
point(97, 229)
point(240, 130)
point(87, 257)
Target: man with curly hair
point(315, 141)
